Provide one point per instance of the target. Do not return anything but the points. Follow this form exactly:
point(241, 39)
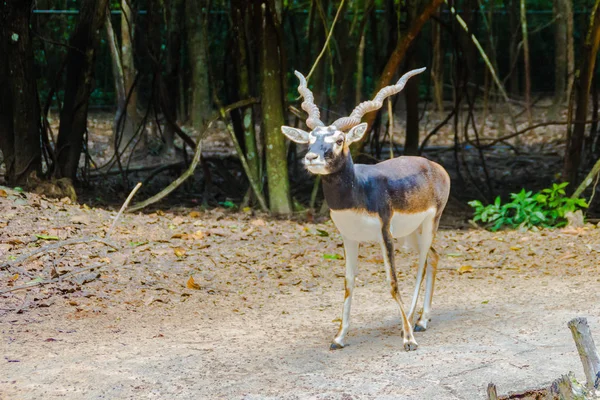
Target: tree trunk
point(360, 64)
point(396, 58)
point(240, 10)
point(560, 59)
point(437, 66)
point(129, 71)
point(272, 103)
point(19, 108)
point(586, 73)
point(79, 86)
point(411, 92)
point(568, 10)
point(526, 60)
point(515, 29)
point(119, 81)
point(132, 119)
point(199, 103)
point(174, 12)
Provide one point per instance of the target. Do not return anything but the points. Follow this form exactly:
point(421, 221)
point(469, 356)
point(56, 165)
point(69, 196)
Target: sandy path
point(261, 324)
point(518, 340)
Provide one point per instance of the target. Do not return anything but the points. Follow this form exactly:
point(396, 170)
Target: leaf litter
point(210, 263)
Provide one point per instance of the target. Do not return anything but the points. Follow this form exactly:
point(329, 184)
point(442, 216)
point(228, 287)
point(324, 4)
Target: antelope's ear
point(295, 134)
point(356, 133)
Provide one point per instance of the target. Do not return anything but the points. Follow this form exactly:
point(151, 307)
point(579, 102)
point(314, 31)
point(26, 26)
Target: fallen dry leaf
point(190, 284)
point(194, 214)
point(186, 236)
point(572, 231)
point(465, 269)
point(179, 251)
point(258, 222)
point(567, 255)
point(177, 221)
point(3, 193)
point(80, 219)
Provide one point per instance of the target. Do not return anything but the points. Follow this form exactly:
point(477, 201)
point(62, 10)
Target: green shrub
point(527, 210)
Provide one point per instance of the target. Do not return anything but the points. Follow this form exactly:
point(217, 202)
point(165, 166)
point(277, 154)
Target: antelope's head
point(328, 145)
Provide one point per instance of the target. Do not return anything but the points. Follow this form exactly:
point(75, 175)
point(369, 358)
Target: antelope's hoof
point(421, 325)
point(410, 345)
point(336, 346)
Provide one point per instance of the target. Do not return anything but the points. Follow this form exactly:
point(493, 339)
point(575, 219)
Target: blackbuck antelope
point(399, 198)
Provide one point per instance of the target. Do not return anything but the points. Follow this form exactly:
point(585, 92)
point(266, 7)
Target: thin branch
point(588, 181)
point(55, 246)
point(173, 185)
point(34, 283)
point(123, 207)
point(195, 160)
point(337, 14)
point(435, 130)
point(525, 130)
point(251, 178)
point(391, 127)
point(463, 24)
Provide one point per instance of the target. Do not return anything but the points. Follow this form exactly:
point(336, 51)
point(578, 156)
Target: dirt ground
point(264, 304)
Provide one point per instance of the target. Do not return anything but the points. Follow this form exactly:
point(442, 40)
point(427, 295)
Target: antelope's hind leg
point(432, 263)
point(387, 247)
point(351, 252)
point(424, 240)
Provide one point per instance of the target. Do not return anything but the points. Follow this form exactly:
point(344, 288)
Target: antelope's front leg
point(387, 247)
point(351, 250)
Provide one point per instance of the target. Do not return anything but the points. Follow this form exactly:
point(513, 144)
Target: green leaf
point(475, 203)
point(227, 204)
point(46, 237)
point(541, 198)
point(137, 244)
point(332, 256)
point(323, 233)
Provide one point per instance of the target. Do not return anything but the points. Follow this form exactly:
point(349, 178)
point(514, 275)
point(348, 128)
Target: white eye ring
point(339, 142)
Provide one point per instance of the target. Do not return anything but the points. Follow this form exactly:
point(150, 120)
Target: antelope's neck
point(340, 188)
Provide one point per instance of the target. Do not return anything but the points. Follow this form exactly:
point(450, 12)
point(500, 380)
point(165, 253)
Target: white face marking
point(318, 169)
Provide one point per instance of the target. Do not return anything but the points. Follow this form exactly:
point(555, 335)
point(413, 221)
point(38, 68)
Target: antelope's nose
point(311, 156)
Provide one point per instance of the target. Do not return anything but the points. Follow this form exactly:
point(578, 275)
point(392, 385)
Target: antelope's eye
point(339, 142)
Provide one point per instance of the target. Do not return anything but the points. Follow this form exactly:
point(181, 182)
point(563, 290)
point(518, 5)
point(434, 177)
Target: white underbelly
point(364, 227)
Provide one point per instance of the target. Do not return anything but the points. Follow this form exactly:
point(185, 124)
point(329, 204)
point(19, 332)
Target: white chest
point(364, 227)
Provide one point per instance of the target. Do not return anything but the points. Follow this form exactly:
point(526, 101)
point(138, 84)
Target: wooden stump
point(587, 350)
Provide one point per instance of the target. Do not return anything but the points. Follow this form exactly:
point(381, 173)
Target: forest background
point(97, 95)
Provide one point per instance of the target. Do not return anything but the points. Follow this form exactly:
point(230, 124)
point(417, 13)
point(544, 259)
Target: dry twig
point(34, 283)
point(123, 207)
point(54, 246)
